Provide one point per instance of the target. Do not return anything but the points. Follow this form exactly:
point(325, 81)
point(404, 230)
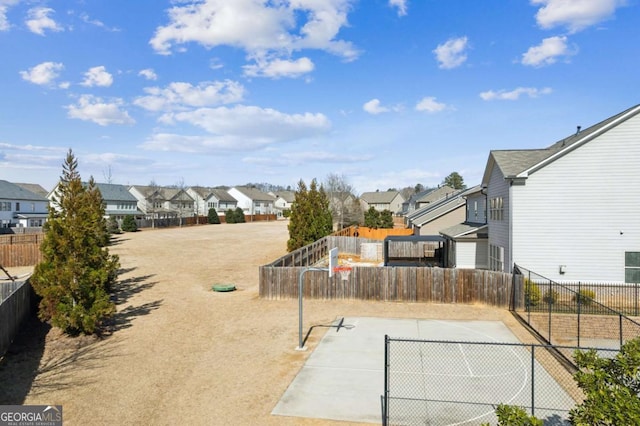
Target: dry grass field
point(179, 353)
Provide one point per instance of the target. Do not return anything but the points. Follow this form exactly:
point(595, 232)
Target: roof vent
point(578, 130)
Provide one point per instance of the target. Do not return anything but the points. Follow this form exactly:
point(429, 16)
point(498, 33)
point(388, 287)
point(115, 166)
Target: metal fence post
point(533, 387)
point(620, 319)
point(635, 305)
point(385, 408)
point(579, 299)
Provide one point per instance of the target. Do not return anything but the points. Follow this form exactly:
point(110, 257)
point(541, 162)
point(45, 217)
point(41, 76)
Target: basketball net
point(344, 272)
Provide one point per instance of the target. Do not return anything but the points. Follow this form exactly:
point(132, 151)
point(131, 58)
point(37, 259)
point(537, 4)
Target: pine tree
point(310, 216)
point(76, 272)
point(129, 224)
point(372, 218)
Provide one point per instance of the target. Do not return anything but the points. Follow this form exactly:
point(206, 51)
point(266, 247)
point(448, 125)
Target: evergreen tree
point(386, 219)
point(310, 216)
point(212, 216)
point(455, 181)
point(76, 272)
point(112, 225)
point(129, 224)
point(372, 218)
point(230, 216)
point(239, 216)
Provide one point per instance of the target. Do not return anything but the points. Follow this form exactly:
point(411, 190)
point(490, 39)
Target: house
point(20, 207)
point(158, 202)
point(387, 200)
point(212, 198)
point(569, 212)
point(284, 201)
point(437, 215)
point(118, 201)
point(253, 201)
point(422, 198)
point(468, 241)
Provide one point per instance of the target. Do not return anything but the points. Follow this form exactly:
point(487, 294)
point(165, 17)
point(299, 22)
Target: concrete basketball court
point(343, 379)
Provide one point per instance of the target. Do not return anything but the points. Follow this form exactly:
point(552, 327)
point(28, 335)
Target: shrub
point(129, 224)
point(212, 216)
point(112, 225)
point(509, 415)
point(531, 293)
point(610, 386)
point(550, 296)
point(585, 297)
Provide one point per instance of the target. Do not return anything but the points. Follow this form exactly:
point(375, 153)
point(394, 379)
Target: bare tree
point(152, 197)
point(107, 175)
point(339, 191)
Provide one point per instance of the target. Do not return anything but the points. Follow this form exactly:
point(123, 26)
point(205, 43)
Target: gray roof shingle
point(11, 191)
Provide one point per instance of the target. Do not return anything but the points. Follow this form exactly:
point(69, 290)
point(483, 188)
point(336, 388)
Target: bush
point(129, 224)
point(509, 415)
point(235, 216)
point(585, 297)
point(531, 293)
point(112, 225)
point(610, 386)
point(212, 216)
point(550, 296)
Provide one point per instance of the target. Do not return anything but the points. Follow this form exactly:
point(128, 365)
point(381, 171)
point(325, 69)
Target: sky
point(384, 93)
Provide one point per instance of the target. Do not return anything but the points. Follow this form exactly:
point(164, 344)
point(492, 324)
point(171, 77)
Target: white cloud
point(451, 54)
point(4, 8)
point(574, 14)
point(148, 73)
point(401, 5)
point(39, 20)
point(95, 109)
point(86, 19)
point(515, 94)
point(429, 104)
point(97, 76)
point(258, 27)
point(179, 95)
point(547, 52)
point(374, 107)
point(43, 74)
point(279, 68)
point(238, 128)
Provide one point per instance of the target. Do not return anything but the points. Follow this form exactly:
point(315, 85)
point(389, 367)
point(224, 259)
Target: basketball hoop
point(344, 271)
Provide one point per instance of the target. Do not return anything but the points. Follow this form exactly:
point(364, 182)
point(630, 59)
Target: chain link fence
point(431, 382)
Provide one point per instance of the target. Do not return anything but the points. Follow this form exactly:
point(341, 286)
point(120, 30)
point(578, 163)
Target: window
point(475, 210)
point(33, 207)
point(5, 206)
point(17, 207)
point(496, 208)
point(496, 258)
point(632, 267)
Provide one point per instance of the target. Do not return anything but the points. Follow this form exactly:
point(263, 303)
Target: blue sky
point(387, 93)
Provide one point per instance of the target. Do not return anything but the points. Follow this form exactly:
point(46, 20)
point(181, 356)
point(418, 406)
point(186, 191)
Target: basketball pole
point(300, 283)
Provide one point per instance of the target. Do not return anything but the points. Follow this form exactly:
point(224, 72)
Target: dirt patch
point(180, 353)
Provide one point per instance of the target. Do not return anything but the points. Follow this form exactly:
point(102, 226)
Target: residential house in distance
point(118, 201)
point(212, 198)
point(569, 212)
point(423, 198)
point(468, 242)
point(21, 208)
point(284, 201)
point(387, 200)
point(158, 202)
point(435, 216)
point(253, 201)
point(34, 187)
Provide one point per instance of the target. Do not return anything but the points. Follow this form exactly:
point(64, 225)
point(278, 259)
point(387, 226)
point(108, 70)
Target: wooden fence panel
point(393, 284)
point(13, 311)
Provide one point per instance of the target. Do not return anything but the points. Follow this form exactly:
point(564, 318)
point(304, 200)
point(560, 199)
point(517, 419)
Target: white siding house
point(569, 212)
point(468, 241)
point(253, 201)
point(20, 207)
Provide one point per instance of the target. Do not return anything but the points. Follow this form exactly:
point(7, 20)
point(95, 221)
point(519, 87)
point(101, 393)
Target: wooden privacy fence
point(390, 284)
point(15, 306)
point(20, 249)
point(280, 279)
